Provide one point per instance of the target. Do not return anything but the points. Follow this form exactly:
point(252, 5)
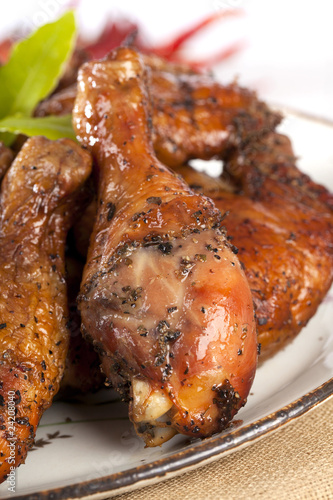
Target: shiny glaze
point(163, 296)
point(196, 117)
point(193, 115)
point(293, 269)
point(82, 368)
point(282, 224)
point(39, 197)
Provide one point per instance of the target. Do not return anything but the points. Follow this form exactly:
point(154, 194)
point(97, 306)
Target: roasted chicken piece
point(193, 115)
point(283, 227)
point(82, 369)
point(196, 117)
point(39, 197)
point(286, 282)
point(282, 223)
point(267, 170)
point(163, 296)
point(285, 289)
point(59, 103)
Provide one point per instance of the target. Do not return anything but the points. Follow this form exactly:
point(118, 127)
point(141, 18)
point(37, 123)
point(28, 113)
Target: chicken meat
point(40, 196)
point(282, 223)
point(193, 115)
point(163, 296)
point(283, 280)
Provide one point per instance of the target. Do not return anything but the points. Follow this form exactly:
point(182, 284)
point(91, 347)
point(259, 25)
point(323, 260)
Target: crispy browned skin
point(82, 371)
point(196, 117)
point(193, 115)
point(282, 223)
point(6, 158)
point(39, 198)
point(292, 269)
point(275, 265)
point(163, 296)
point(276, 217)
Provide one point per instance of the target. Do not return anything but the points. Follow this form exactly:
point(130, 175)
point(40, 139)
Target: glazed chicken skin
point(283, 280)
point(281, 260)
point(266, 169)
point(284, 234)
point(196, 117)
point(39, 197)
point(163, 297)
point(82, 368)
point(193, 115)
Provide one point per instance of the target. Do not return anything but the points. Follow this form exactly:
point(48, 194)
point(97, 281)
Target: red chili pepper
point(117, 32)
point(168, 50)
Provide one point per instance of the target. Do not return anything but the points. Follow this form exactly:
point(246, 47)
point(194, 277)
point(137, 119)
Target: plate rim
point(208, 450)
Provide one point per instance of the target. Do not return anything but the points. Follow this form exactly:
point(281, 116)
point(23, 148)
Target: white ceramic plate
point(88, 449)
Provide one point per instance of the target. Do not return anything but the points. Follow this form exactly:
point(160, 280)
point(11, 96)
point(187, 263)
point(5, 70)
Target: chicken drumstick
point(193, 115)
point(163, 296)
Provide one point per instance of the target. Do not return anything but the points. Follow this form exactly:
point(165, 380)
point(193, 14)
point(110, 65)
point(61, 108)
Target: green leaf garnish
point(52, 127)
point(33, 71)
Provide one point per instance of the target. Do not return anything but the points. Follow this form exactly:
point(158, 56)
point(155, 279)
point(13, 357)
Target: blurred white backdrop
point(288, 54)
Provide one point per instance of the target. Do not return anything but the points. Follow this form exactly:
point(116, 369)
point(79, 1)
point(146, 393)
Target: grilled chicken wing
point(193, 115)
point(283, 226)
point(196, 117)
point(282, 223)
point(163, 296)
point(38, 201)
point(266, 170)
